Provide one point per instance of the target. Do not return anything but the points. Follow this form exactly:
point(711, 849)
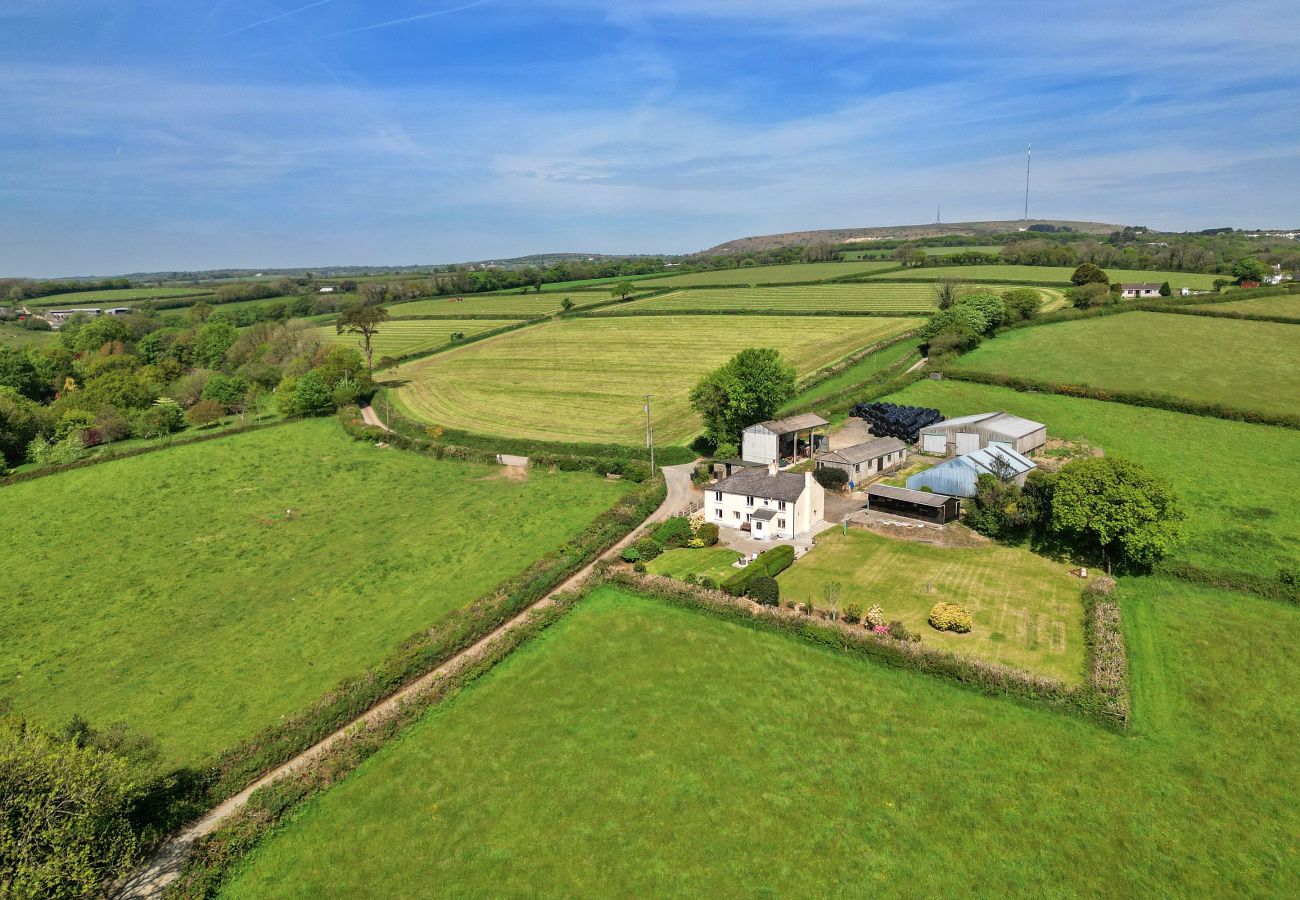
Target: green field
point(857, 373)
point(786, 274)
point(203, 592)
point(1246, 365)
point(1027, 610)
point(115, 297)
point(929, 251)
point(411, 336)
point(16, 336)
point(508, 306)
point(1285, 305)
point(1227, 473)
point(585, 379)
point(902, 299)
point(707, 562)
point(639, 749)
point(1051, 275)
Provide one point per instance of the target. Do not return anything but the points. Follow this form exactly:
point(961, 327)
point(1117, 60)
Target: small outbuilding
point(935, 508)
point(957, 476)
point(781, 441)
point(861, 461)
point(966, 434)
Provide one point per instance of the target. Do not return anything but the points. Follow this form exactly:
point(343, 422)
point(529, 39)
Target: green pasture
point(857, 373)
point(705, 562)
point(1231, 476)
point(756, 275)
point(115, 296)
point(585, 379)
point(507, 305)
point(1284, 305)
point(929, 251)
point(882, 297)
point(1027, 610)
point(1241, 364)
point(1059, 275)
point(204, 592)
point(395, 338)
point(639, 749)
point(13, 335)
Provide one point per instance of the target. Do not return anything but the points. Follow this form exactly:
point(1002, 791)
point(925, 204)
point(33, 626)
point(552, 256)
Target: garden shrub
point(875, 615)
point(649, 548)
point(631, 555)
point(638, 567)
point(951, 617)
point(769, 563)
point(765, 591)
point(673, 532)
point(708, 533)
point(852, 614)
point(831, 479)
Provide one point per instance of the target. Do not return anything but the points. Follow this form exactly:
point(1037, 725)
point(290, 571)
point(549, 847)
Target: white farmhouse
point(766, 503)
point(1140, 290)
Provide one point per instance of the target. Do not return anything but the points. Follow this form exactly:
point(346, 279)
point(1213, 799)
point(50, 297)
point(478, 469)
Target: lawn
point(708, 562)
point(857, 373)
point(413, 335)
point(638, 749)
point(585, 379)
point(793, 272)
point(1241, 364)
point(1231, 476)
point(203, 592)
point(1027, 609)
point(1051, 275)
point(1283, 305)
point(114, 296)
point(507, 306)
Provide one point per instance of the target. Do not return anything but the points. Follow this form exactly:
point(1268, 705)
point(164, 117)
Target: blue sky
point(161, 135)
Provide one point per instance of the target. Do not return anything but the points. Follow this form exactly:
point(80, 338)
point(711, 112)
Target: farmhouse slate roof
point(793, 423)
point(868, 450)
point(923, 498)
point(787, 486)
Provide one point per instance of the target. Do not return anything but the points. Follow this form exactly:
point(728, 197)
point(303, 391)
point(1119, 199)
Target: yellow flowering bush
point(951, 617)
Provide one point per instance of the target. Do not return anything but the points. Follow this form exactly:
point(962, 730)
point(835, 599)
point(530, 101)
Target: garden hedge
point(769, 563)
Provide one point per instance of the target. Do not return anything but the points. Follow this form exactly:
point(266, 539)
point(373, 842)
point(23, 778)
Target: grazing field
point(1285, 305)
point(640, 749)
point(929, 251)
point(585, 379)
point(707, 562)
point(1228, 474)
point(114, 297)
point(201, 593)
point(16, 336)
point(1246, 365)
point(857, 373)
point(1027, 609)
point(414, 335)
point(786, 274)
point(1050, 275)
point(507, 306)
point(901, 299)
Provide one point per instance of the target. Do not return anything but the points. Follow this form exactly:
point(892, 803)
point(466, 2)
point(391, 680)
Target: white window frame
point(749, 501)
point(780, 523)
point(717, 495)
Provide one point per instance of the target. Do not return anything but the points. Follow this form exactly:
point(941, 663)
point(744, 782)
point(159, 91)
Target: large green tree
point(748, 388)
point(1248, 268)
point(363, 320)
point(1089, 273)
point(1118, 508)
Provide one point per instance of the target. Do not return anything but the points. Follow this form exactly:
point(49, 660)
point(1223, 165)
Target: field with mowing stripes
point(638, 749)
point(1026, 609)
point(401, 337)
point(902, 299)
point(508, 306)
point(114, 297)
point(1247, 365)
point(584, 379)
point(1050, 275)
point(770, 274)
point(202, 593)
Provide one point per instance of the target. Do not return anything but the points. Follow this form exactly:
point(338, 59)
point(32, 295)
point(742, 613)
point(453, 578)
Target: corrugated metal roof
point(986, 459)
point(792, 423)
point(1001, 422)
point(975, 419)
point(924, 498)
point(957, 476)
point(865, 451)
point(787, 486)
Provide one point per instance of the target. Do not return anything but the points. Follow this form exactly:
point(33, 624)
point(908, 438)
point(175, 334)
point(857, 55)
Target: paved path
point(166, 864)
point(370, 417)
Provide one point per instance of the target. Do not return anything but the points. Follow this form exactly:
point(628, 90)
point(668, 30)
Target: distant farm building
point(766, 503)
point(1139, 291)
point(861, 461)
point(57, 317)
point(936, 508)
point(966, 434)
point(957, 476)
point(783, 441)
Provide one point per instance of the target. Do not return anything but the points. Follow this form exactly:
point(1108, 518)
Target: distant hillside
point(897, 232)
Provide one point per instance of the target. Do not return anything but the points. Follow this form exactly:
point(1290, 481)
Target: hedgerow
point(769, 564)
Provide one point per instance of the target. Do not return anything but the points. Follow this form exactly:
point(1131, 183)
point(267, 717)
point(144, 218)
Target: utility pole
point(650, 434)
point(1028, 153)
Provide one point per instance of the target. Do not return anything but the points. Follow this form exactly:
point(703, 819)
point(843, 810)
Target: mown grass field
point(1026, 608)
point(201, 593)
point(1051, 275)
point(414, 335)
point(585, 379)
point(508, 306)
point(1245, 365)
point(1286, 305)
point(902, 299)
point(705, 562)
point(770, 274)
point(680, 755)
point(929, 251)
point(1228, 474)
point(115, 296)
point(857, 373)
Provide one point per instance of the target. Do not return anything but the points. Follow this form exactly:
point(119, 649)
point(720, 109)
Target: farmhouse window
point(737, 514)
point(780, 504)
point(780, 523)
point(717, 495)
point(749, 501)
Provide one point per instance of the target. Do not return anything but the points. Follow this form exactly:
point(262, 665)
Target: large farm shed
point(781, 440)
point(957, 476)
point(936, 508)
point(861, 461)
point(966, 434)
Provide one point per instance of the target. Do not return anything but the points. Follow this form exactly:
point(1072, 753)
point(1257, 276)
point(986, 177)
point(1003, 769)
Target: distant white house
point(767, 503)
point(327, 289)
point(1277, 276)
point(1139, 290)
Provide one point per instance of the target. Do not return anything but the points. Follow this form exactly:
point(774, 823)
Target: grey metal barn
point(966, 434)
